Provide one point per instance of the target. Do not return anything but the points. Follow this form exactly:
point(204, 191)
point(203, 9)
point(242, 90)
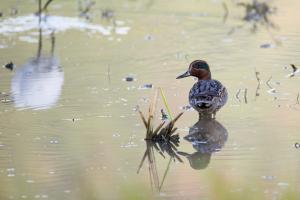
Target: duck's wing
point(206, 93)
point(207, 88)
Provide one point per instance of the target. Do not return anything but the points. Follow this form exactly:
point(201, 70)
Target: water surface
point(69, 125)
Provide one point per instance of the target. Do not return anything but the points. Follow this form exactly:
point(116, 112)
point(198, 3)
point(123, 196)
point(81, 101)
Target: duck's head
point(199, 69)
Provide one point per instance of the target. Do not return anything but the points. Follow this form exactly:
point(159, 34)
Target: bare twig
point(226, 12)
point(52, 42)
point(237, 95)
point(256, 91)
point(295, 71)
point(46, 5)
point(245, 95)
point(268, 83)
point(256, 75)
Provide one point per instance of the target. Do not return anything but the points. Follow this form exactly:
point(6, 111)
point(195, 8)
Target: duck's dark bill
point(186, 74)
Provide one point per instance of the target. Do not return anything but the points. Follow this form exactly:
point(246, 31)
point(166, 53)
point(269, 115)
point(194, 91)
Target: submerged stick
point(256, 75)
point(245, 95)
point(226, 12)
point(52, 35)
point(237, 95)
point(268, 83)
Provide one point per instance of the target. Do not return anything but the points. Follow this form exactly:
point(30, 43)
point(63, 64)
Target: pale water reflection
point(38, 83)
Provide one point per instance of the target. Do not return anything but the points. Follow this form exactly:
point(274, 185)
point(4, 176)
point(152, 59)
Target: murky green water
point(69, 127)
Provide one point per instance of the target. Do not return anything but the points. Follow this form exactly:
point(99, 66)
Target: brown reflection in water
point(207, 136)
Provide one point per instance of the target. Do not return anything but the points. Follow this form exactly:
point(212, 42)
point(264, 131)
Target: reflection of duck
point(38, 83)
point(207, 136)
point(207, 96)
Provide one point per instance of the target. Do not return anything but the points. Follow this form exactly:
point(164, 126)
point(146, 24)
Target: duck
point(207, 96)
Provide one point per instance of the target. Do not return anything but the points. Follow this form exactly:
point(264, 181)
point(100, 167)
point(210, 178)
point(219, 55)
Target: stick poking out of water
point(245, 95)
point(237, 95)
point(226, 12)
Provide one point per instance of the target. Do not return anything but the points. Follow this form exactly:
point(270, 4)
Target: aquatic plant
point(162, 138)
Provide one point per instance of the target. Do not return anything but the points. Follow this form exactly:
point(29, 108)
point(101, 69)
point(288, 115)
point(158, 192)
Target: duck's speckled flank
point(208, 96)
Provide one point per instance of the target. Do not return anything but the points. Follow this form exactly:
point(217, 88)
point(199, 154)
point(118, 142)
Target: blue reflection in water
point(38, 83)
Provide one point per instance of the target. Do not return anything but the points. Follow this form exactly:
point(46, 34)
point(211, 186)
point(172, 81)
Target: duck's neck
point(205, 77)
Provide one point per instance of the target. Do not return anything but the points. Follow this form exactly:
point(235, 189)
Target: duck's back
point(208, 96)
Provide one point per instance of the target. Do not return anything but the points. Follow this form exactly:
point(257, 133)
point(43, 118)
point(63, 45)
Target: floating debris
point(148, 38)
point(107, 14)
point(257, 13)
point(267, 46)
point(295, 71)
point(164, 115)
point(129, 79)
point(187, 108)
point(9, 66)
point(1, 14)
point(272, 91)
point(146, 86)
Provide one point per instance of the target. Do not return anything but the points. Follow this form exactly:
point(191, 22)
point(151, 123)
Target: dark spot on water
point(147, 86)
point(149, 38)
point(266, 46)
point(107, 14)
point(1, 14)
point(9, 66)
point(129, 79)
point(164, 116)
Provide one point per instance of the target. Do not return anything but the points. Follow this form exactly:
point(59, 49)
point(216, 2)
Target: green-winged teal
point(207, 96)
